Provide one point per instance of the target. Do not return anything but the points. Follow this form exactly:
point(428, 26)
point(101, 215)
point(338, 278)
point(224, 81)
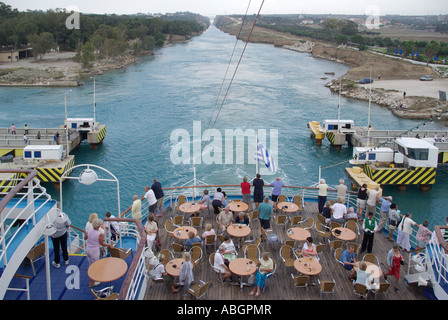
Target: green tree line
point(105, 35)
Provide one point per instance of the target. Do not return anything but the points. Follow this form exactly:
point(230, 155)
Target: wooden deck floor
point(280, 286)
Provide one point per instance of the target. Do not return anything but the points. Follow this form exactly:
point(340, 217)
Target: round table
point(298, 234)
point(345, 235)
point(238, 230)
point(242, 267)
point(107, 269)
point(308, 266)
point(190, 207)
point(288, 206)
point(238, 206)
point(173, 267)
point(181, 233)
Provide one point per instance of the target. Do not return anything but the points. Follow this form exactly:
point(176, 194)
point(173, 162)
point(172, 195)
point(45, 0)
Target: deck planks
point(280, 286)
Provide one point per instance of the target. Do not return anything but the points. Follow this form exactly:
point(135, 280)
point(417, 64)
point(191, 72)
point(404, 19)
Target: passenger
point(242, 219)
point(309, 249)
point(264, 213)
point(363, 276)
point(186, 276)
point(208, 231)
point(405, 230)
point(152, 200)
point(191, 240)
point(276, 191)
point(338, 212)
point(384, 211)
point(158, 272)
point(151, 230)
point(158, 192)
point(59, 239)
point(230, 251)
point(423, 235)
point(205, 201)
point(245, 191)
point(217, 200)
point(394, 217)
point(326, 212)
point(258, 184)
point(113, 225)
point(351, 214)
point(220, 265)
point(135, 208)
point(342, 190)
point(225, 219)
point(361, 200)
point(394, 261)
point(265, 266)
point(322, 194)
point(369, 228)
point(373, 198)
point(95, 240)
point(348, 260)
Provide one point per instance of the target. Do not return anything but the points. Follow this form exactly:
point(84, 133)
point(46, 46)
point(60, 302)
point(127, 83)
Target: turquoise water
point(142, 105)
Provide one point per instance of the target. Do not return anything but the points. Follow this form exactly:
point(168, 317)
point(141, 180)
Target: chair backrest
point(169, 226)
point(280, 219)
point(252, 252)
point(320, 247)
point(281, 198)
point(298, 201)
point(236, 200)
point(295, 220)
point(300, 281)
point(221, 238)
point(338, 254)
point(177, 247)
point(335, 224)
point(168, 256)
point(196, 254)
point(321, 218)
point(351, 225)
point(290, 243)
point(202, 289)
point(309, 223)
point(119, 253)
point(369, 257)
point(253, 215)
point(37, 251)
point(196, 221)
point(181, 199)
point(335, 244)
point(178, 220)
point(286, 252)
point(360, 289)
point(384, 286)
point(327, 286)
point(211, 259)
point(210, 239)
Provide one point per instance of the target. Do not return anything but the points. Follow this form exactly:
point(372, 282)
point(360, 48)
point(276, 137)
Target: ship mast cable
point(237, 66)
point(228, 65)
point(438, 116)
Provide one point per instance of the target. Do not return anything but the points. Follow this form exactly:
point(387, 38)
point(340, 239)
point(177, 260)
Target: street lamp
point(87, 177)
point(66, 122)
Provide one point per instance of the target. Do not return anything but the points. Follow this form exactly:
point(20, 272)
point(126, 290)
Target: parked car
point(366, 80)
point(426, 78)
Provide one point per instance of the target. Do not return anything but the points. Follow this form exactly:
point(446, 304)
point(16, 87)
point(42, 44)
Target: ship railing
point(438, 257)
point(14, 218)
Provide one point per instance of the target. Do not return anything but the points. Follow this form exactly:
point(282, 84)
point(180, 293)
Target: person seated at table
point(265, 266)
point(208, 232)
point(225, 201)
point(225, 219)
point(230, 251)
point(348, 260)
point(326, 212)
point(363, 276)
point(309, 249)
point(205, 201)
point(191, 239)
point(242, 219)
point(159, 272)
point(338, 211)
point(220, 265)
point(351, 213)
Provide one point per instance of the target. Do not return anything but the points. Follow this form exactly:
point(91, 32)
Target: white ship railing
point(437, 262)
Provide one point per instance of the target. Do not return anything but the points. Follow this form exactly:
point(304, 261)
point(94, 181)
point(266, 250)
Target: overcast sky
point(213, 7)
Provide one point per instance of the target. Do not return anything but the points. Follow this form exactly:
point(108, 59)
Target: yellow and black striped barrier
point(7, 184)
point(102, 134)
point(331, 137)
point(398, 176)
point(53, 174)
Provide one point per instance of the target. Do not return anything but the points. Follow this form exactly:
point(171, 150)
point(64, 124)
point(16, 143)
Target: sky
point(220, 7)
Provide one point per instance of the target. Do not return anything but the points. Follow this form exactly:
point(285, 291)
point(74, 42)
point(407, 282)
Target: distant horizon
point(212, 8)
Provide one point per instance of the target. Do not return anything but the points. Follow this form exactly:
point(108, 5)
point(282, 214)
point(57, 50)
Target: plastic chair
point(177, 248)
point(287, 255)
point(383, 289)
point(352, 225)
point(168, 256)
point(209, 241)
point(181, 199)
point(196, 222)
point(335, 244)
point(102, 293)
point(281, 198)
point(370, 257)
point(120, 253)
point(337, 257)
point(307, 223)
point(322, 230)
point(177, 220)
point(196, 255)
point(252, 252)
point(198, 290)
point(269, 236)
point(300, 281)
point(295, 220)
point(253, 216)
point(281, 220)
point(335, 224)
point(169, 228)
point(211, 260)
point(298, 202)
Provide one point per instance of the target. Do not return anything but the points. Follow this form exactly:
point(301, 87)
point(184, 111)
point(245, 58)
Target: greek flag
point(263, 155)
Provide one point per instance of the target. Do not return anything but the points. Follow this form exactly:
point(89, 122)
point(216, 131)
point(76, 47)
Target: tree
point(87, 55)
point(431, 50)
point(42, 43)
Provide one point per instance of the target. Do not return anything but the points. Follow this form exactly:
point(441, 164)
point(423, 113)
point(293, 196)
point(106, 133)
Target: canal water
point(151, 106)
